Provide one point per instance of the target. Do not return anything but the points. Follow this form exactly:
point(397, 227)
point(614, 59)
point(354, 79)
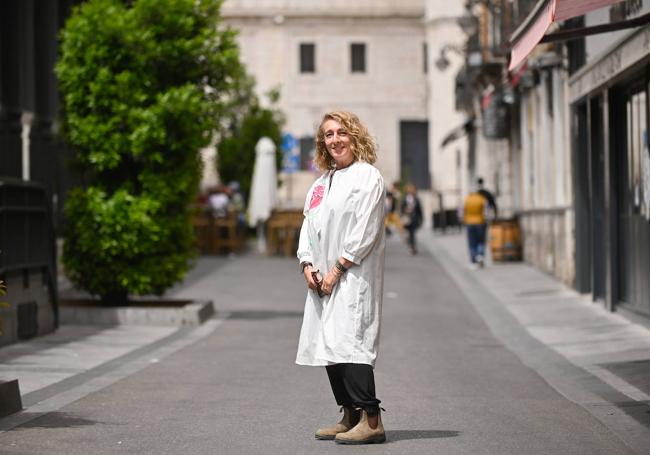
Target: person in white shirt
point(218, 202)
point(341, 253)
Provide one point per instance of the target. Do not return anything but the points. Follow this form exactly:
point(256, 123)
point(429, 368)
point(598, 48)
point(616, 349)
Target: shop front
point(611, 158)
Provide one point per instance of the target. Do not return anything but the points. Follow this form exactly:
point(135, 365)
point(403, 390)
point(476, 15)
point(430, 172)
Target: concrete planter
point(10, 400)
point(139, 312)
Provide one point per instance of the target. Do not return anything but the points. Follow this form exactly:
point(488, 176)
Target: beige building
point(445, 43)
point(542, 170)
point(367, 56)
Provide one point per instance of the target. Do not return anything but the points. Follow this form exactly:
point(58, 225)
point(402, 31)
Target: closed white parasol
point(263, 187)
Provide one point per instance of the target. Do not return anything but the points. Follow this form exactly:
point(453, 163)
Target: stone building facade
point(366, 56)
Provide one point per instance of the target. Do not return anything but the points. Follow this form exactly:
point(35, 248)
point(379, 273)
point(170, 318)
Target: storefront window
point(638, 155)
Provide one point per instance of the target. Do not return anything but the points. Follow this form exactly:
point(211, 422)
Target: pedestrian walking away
point(341, 254)
point(489, 197)
point(474, 219)
point(393, 201)
point(412, 215)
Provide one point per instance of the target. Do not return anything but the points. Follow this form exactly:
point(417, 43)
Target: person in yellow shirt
point(476, 225)
point(393, 202)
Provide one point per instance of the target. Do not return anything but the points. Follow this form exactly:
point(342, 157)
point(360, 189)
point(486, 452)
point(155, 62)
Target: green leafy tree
point(236, 150)
point(145, 84)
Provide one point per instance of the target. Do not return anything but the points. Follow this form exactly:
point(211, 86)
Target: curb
point(194, 313)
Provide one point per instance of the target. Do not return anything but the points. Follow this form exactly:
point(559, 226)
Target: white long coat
point(344, 219)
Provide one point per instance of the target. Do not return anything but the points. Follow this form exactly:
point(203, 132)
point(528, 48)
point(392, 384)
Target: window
point(576, 48)
point(637, 151)
point(307, 151)
point(307, 58)
point(358, 58)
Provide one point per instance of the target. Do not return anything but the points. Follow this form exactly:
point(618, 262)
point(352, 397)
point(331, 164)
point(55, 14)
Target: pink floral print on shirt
point(316, 196)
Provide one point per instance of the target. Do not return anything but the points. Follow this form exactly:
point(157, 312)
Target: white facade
point(542, 168)
point(392, 89)
point(542, 177)
point(448, 164)
point(597, 45)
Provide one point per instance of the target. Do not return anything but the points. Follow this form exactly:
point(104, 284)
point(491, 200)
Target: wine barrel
point(505, 240)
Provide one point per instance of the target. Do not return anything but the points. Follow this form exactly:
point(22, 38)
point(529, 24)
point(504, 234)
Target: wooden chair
point(202, 223)
point(226, 236)
point(218, 235)
point(283, 231)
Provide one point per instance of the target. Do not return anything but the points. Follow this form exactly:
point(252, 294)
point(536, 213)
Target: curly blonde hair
point(361, 143)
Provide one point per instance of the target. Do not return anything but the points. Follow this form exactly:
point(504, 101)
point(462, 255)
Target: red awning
point(543, 15)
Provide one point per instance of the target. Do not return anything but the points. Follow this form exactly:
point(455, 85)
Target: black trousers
point(353, 385)
point(411, 238)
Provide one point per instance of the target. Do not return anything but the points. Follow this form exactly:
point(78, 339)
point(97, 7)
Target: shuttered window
point(358, 57)
point(307, 58)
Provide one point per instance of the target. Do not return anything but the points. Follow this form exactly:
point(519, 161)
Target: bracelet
point(305, 264)
point(340, 267)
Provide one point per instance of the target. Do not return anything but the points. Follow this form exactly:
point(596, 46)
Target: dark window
point(576, 48)
point(307, 58)
point(307, 150)
point(358, 57)
point(414, 153)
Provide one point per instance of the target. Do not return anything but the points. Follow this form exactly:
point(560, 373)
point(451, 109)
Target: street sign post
point(290, 161)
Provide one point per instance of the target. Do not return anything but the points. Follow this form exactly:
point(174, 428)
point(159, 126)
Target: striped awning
point(531, 31)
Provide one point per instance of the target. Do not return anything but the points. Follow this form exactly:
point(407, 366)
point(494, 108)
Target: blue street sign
point(290, 162)
point(288, 142)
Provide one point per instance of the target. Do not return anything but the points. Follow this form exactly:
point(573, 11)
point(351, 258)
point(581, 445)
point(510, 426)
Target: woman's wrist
point(341, 268)
point(336, 273)
point(304, 265)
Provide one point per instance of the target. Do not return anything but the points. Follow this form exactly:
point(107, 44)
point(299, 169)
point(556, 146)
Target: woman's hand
point(334, 275)
point(311, 284)
point(329, 282)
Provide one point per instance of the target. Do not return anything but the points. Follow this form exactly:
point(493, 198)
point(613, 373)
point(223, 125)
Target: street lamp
point(469, 23)
point(442, 62)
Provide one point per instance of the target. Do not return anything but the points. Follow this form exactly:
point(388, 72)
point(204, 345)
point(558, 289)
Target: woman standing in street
point(412, 213)
point(341, 254)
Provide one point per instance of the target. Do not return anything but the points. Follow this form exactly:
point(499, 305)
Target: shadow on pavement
point(256, 315)
point(403, 435)
point(56, 420)
point(638, 410)
point(636, 373)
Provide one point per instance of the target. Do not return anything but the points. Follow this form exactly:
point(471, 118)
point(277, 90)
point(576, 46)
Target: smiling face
point(337, 143)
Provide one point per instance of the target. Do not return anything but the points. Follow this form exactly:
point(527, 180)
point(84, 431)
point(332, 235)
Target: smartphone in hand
point(318, 279)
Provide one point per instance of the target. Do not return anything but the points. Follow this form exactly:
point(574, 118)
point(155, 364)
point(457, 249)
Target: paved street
point(449, 381)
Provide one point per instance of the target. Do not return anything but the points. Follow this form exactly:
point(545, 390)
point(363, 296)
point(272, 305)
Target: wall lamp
point(442, 62)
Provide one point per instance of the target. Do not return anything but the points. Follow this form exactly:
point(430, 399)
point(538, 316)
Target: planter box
point(139, 312)
point(10, 401)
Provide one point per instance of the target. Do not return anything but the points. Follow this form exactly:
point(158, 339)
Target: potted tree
point(144, 84)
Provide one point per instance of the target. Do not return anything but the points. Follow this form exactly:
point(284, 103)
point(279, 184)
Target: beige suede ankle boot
point(362, 433)
point(350, 418)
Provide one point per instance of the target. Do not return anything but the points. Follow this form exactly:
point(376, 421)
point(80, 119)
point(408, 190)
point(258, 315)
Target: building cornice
point(271, 13)
point(412, 9)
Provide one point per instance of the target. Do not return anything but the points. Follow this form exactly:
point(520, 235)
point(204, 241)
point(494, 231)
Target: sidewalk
point(76, 360)
point(610, 353)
